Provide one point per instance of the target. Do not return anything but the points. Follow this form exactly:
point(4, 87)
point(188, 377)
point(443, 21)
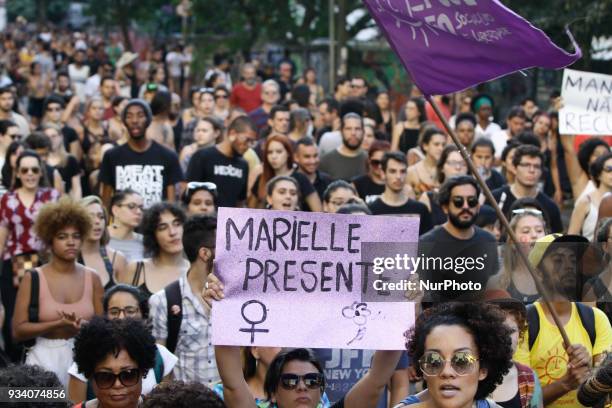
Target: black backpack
point(173, 297)
point(586, 314)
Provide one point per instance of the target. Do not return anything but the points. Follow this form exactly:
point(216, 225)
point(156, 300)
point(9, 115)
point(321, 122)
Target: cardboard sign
point(298, 279)
point(587, 100)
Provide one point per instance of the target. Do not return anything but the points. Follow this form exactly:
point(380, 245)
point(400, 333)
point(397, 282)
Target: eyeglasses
point(221, 96)
point(132, 206)
point(194, 185)
point(607, 169)
point(16, 136)
point(311, 380)
point(127, 311)
point(532, 211)
point(530, 166)
point(26, 170)
point(375, 162)
point(458, 201)
point(462, 362)
point(106, 379)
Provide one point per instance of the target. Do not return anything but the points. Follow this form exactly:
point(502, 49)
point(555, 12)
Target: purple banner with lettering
point(299, 279)
point(451, 45)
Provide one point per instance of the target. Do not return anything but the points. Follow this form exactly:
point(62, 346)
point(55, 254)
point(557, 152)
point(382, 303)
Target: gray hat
point(143, 104)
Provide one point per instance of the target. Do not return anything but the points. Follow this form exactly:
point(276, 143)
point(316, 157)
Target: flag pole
point(501, 216)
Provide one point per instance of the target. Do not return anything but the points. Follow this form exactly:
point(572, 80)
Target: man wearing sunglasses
point(468, 253)
point(527, 165)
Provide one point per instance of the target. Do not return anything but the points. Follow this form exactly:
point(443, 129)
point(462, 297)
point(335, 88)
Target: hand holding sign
point(290, 276)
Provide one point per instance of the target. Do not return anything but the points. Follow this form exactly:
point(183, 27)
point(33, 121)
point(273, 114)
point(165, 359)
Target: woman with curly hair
point(115, 355)
point(179, 394)
point(123, 302)
point(68, 292)
point(463, 351)
point(162, 230)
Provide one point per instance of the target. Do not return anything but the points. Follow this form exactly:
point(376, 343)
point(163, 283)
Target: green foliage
point(55, 9)
point(587, 19)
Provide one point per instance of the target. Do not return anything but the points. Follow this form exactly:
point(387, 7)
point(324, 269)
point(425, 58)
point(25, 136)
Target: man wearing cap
point(482, 106)
point(561, 370)
point(141, 164)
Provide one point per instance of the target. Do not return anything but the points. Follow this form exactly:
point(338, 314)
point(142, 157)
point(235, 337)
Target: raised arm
point(236, 392)
point(366, 392)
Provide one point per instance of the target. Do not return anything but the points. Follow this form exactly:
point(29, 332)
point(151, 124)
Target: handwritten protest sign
point(587, 99)
point(297, 279)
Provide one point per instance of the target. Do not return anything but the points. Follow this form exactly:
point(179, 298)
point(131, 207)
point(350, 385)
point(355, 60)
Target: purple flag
point(451, 45)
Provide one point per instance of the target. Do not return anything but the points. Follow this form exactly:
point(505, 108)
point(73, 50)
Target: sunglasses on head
point(194, 185)
point(471, 201)
point(26, 170)
point(462, 362)
point(106, 379)
point(311, 380)
point(532, 211)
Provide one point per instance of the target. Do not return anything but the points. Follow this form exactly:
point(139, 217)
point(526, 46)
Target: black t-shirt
point(67, 172)
point(230, 174)
point(495, 180)
point(448, 260)
point(367, 189)
point(149, 172)
point(378, 207)
point(553, 214)
point(70, 136)
point(321, 182)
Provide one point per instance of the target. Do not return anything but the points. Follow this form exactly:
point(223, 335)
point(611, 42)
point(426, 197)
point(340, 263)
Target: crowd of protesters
point(114, 165)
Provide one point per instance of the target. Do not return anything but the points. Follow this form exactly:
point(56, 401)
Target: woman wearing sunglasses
point(586, 209)
point(126, 211)
point(528, 225)
point(200, 198)
point(96, 253)
point(295, 378)
point(450, 164)
point(19, 244)
point(462, 350)
point(114, 355)
point(123, 302)
point(371, 185)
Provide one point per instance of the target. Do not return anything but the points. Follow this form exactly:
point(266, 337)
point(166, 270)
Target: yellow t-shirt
point(548, 357)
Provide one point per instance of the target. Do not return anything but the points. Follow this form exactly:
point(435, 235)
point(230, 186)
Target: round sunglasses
point(462, 362)
point(106, 379)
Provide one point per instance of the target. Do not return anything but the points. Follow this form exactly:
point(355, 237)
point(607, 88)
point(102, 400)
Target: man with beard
point(394, 199)
point(561, 370)
point(247, 93)
point(7, 101)
point(141, 164)
point(457, 254)
point(348, 160)
point(224, 165)
point(307, 158)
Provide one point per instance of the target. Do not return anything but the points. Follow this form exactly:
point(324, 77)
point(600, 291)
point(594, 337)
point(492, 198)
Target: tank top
point(590, 221)
point(108, 265)
point(518, 295)
point(408, 139)
point(140, 268)
point(83, 308)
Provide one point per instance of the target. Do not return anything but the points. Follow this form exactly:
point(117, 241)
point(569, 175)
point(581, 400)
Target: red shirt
point(18, 220)
point(432, 117)
point(246, 98)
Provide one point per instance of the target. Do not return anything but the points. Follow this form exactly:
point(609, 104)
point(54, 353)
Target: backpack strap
point(158, 369)
point(533, 324)
point(34, 297)
point(587, 318)
point(139, 268)
point(173, 298)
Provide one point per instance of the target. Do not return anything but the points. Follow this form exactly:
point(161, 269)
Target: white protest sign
point(587, 100)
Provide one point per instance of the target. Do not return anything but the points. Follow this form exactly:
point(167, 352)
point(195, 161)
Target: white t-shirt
point(491, 129)
point(148, 382)
point(175, 62)
point(500, 140)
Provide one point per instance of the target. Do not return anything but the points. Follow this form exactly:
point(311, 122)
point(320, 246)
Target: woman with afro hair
point(114, 355)
point(68, 292)
point(463, 351)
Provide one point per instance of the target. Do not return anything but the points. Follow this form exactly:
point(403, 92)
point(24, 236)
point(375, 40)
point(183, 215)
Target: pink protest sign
point(298, 279)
